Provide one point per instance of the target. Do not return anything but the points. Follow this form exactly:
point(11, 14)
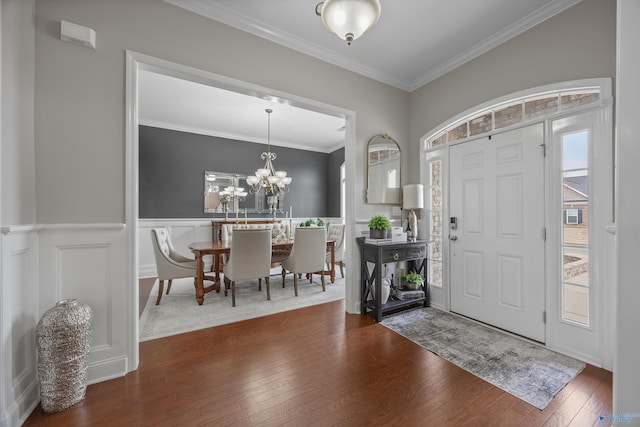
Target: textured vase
point(386, 290)
point(63, 340)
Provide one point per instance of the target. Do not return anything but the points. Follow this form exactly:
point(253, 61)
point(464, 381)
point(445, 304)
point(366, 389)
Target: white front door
point(497, 250)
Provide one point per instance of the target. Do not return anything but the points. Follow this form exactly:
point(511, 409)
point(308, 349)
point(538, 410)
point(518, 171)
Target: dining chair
point(249, 258)
point(169, 263)
point(335, 232)
point(307, 254)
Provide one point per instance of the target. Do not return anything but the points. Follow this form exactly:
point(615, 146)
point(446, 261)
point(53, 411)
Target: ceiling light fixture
point(268, 178)
point(349, 19)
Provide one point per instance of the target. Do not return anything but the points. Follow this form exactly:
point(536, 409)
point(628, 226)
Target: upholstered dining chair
point(335, 232)
point(307, 254)
point(249, 258)
point(169, 263)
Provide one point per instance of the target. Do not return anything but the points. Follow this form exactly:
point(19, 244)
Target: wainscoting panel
point(20, 315)
point(87, 262)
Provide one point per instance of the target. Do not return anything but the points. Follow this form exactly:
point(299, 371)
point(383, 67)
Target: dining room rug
point(179, 312)
point(522, 368)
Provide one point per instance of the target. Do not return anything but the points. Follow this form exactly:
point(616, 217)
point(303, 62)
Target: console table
point(371, 282)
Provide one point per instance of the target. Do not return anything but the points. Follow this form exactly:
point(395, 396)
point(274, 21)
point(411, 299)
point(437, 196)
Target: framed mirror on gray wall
point(223, 192)
point(384, 178)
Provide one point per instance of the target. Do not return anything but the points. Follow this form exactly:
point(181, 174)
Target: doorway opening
point(135, 62)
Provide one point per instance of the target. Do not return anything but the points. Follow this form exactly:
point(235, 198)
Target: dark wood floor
point(314, 366)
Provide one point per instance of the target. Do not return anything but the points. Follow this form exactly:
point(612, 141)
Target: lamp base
point(412, 229)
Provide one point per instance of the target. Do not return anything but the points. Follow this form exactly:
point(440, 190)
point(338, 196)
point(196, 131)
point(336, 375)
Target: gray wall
point(172, 166)
point(80, 102)
point(575, 44)
point(18, 97)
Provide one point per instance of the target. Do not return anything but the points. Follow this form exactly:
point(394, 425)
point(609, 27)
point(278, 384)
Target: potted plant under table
point(412, 280)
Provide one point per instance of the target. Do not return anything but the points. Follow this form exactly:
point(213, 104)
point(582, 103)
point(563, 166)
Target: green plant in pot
point(312, 223)
point(379, 226)
point(412, 280)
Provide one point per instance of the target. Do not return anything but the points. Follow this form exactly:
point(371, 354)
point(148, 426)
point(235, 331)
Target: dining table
point(219, 248)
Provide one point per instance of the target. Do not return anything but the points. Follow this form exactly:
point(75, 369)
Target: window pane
point(458, 132)
point(575, 151)
point(480, 124)
point(573, 100)
point(508, 116)
point(575, 228)
point(434, 247)
point(540, 107)
point(439, 140)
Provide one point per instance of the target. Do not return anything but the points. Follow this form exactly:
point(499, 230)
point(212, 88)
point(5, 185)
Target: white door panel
point(497, 251)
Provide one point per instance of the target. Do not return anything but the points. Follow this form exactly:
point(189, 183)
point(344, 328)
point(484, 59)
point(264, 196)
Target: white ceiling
point(413, 43)
point(172, 103)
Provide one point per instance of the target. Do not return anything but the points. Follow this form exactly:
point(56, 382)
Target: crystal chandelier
point(273, 182)
point(348, 19)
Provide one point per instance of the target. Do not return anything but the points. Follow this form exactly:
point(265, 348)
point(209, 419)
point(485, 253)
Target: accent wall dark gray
point(172, 166)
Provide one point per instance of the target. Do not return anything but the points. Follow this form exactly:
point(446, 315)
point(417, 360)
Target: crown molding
point(226, 16)
point(237, 137)
point(495, 40)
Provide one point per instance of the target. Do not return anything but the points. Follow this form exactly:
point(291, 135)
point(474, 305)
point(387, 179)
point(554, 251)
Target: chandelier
point(274, 183)
point(348, 19)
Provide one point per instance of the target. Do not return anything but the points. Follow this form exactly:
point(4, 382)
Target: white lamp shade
point(273, 179)
point(353, 17)
point(263, 172)
point(286, 181)
point(281, 174)
point(412, 196)
point(252, 180)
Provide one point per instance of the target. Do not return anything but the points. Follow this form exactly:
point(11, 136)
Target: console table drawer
point(416, 252)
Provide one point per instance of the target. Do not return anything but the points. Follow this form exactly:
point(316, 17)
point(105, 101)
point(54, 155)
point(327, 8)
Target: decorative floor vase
point(63, 341)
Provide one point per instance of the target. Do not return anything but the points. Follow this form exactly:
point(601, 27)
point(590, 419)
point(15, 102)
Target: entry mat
point(526, 370)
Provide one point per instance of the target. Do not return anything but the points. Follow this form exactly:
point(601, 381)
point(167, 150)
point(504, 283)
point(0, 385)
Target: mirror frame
point(232, 179)
point(384, 136)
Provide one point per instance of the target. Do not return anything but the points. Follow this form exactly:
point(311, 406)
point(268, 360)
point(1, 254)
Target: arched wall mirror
point(383, 171)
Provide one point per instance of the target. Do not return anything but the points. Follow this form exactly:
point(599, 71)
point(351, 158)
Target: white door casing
point(497, 251)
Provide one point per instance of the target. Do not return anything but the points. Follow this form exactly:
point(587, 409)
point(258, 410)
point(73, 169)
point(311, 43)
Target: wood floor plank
point(315, 366)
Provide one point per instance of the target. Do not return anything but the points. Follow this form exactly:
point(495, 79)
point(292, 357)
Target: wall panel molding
point(87, 262)
point(20, 315)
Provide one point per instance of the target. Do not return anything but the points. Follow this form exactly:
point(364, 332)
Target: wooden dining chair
point(307, 254)
point(249, 258)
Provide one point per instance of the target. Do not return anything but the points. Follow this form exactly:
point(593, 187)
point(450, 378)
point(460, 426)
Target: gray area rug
point(528, 371)
point(179, 312)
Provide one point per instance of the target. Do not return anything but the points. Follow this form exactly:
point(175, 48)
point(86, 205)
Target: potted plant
point(312, 223)
point(412, 280)
point(379, 226)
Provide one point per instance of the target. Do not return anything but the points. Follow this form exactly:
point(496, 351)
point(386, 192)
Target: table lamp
point(412, 198)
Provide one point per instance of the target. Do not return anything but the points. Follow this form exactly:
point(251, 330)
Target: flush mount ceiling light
point(349, 19)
